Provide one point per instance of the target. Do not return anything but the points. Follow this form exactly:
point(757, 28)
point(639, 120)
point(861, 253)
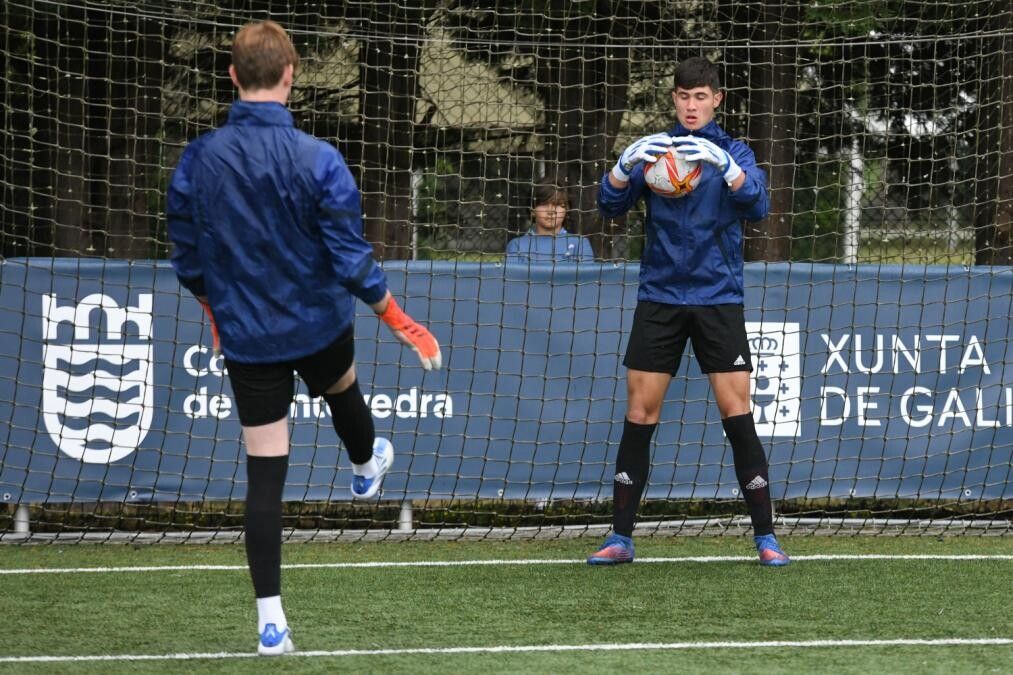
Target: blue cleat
point(770, 552)
point(274, 642)
point(616, 550)
point(383, 453)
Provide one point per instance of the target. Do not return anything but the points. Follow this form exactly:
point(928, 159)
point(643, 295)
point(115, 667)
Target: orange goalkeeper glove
point(216, 342)
point(413, 335)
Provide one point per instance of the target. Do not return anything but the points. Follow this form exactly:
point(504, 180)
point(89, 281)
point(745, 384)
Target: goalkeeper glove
point(216, 342)
point(698, 149)
point(646, 149)
point(412, 335)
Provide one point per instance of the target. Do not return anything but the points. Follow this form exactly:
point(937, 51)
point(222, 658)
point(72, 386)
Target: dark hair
point(697, 72)
point(548, 191)
point(260, 53)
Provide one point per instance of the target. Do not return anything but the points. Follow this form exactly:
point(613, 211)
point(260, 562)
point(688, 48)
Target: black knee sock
point(633, 463)
point(265, 478)
point(353, 422)
point(751, 470)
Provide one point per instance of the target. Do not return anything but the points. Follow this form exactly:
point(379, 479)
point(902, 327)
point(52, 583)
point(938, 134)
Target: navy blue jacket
point(266, 222)
point(693, 254)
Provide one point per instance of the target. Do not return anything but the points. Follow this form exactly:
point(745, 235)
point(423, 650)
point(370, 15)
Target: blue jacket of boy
point(563, 247)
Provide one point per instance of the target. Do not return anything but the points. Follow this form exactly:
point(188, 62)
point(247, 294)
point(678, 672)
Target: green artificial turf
point(197, 611)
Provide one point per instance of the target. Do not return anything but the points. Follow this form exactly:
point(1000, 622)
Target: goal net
point(878, 290)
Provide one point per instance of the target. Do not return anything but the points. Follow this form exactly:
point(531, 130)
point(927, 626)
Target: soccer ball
point(672, 176)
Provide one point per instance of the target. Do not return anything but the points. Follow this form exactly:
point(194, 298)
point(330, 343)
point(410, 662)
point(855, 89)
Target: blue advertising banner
point(869, 382)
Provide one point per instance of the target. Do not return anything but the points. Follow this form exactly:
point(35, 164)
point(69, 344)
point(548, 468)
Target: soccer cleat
point(383, 453)
point(770, 552)
point(274, 642)
point(617, 549)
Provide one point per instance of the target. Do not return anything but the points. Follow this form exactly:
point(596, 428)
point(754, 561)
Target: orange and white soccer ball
point(672, 176)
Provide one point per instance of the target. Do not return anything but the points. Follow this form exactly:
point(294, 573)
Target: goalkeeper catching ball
point(691, 288)
point(266, 225)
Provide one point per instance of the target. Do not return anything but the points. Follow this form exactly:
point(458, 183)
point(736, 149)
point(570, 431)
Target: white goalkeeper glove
point(646, 149)
point(698, 149)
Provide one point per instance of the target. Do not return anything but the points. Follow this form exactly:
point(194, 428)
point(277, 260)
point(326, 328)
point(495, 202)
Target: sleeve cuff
point(747, 195)
point(195, 285)
point(373, 294)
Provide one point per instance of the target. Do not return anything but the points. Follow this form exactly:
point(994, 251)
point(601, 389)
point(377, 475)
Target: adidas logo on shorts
point(739, 361)
point(624, 478)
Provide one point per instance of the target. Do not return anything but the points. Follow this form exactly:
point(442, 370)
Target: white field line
point(477, 563)
point(505, 649)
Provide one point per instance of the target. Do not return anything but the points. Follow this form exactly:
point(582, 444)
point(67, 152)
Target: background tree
point(993, 152)
point(761, 78)
point(378, 142)
point(580, 59)
point(880, 114)
point(388, 93)
point(83, 104)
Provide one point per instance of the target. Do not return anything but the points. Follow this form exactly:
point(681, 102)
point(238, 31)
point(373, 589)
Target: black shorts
point(263, 391)
point(659, 334)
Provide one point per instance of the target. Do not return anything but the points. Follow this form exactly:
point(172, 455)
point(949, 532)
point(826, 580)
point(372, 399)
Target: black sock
point(751, 470)
point(633, 462)
point(353, 422)
point(265, 479)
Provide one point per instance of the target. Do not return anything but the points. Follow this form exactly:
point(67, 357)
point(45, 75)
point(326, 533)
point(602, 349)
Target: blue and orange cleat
point(770, 552)
point(616, 550)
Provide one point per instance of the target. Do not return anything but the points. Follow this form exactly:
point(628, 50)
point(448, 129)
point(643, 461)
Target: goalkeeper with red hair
point(266, 225)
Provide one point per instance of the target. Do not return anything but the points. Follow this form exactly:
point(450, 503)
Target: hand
point(412, 335)
point(699, 149)
point(646, 149)
point(216, 342)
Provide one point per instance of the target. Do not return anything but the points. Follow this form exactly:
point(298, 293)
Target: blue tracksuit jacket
point(266, 222)
point(563, 247)
point(693, 254)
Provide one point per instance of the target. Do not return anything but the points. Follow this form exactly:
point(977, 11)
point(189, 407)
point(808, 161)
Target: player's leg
point(652, 356)
point(646, 392)
point(262, 394)
point(721, 345)
point(331, 373)
point(731, 390)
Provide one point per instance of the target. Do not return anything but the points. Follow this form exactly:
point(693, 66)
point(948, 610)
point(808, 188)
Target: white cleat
point(274, 642)
point(383, 454)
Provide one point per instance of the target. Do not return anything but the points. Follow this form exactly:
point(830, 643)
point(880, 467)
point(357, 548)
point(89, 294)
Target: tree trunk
point(584, 90)
point(1004, 201)
point(993, 194)
point(772, 80)
point(15, 121)
point(92, 139)
point(388, 72)
point(123, 132)
point(31, 178)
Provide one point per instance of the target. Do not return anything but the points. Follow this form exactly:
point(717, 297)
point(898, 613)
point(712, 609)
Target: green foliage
point(879, 71)
point(816, 224)
point(433, 214)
